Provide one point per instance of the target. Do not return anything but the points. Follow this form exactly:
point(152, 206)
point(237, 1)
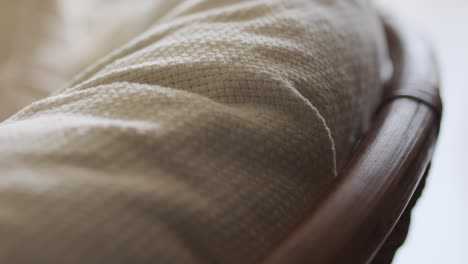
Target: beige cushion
point(205, 139)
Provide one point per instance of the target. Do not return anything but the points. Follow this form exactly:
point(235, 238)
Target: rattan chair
point(365, 216)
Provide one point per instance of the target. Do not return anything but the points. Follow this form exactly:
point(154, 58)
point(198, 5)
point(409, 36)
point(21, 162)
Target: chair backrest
point(354, 219)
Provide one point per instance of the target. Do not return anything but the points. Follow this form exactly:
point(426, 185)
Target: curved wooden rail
point(362, 208)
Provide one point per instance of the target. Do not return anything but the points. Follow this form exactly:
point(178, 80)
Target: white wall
point(439, 231)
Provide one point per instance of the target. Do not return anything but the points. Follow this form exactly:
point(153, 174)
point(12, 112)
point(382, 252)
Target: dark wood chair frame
point(358, 215)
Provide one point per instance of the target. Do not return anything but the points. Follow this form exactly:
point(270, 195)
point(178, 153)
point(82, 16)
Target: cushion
point(206, 135)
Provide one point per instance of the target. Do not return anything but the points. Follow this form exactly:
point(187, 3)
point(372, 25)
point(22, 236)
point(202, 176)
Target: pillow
point(207, 138)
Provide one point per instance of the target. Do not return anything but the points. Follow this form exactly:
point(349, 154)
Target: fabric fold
point(206, 138)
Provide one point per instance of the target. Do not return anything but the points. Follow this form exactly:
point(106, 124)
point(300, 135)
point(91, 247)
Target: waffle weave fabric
point(204, 139)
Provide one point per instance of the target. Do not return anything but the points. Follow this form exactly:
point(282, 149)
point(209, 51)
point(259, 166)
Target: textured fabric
point(45, 43)
point(205, 139)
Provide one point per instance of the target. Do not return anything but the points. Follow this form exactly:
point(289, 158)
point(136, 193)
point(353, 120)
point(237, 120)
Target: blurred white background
point(439, 228)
